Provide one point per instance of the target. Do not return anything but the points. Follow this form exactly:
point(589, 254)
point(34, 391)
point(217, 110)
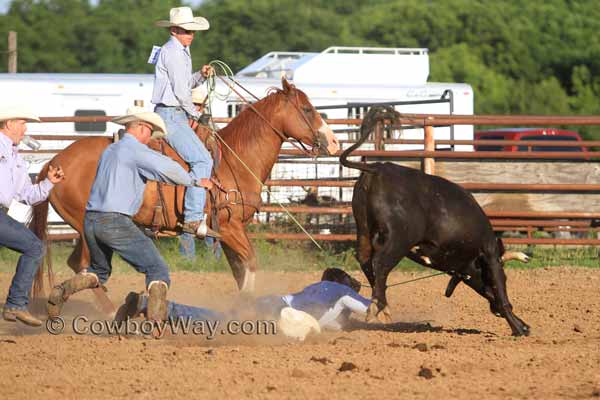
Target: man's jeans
point(108, 232)
point(187, 246)
point(185, 142)
point(15, 236)
point(181, 311)
point(269, 307)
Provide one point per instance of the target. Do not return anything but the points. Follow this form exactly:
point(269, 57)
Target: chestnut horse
point(249, 135)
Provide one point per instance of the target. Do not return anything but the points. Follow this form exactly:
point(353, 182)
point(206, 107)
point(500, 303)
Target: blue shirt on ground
point(326, 301)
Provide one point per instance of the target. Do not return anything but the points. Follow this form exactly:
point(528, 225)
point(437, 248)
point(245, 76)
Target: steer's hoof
point(521, 331)
point(372, 313)
point(385, 316)
point(520, 328)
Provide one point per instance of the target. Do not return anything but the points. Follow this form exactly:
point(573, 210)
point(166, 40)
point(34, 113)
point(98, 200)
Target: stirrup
point(200, 229)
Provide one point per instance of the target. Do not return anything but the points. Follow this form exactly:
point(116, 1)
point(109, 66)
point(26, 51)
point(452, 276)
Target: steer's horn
point(454, 281)
point(515, 255)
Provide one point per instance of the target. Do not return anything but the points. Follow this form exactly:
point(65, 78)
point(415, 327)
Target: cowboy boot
point(156, 309)
point(200, 229)
point(60, 293)
point(14, 314)
point(131, 308)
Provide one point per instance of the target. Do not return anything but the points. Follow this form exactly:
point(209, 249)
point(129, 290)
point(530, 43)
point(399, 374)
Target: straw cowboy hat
point(199, 94)
point(297, 324)
point(139, 114)
point(17, 112)
point(182, 17)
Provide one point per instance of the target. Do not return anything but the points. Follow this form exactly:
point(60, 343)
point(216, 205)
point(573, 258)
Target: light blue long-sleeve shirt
point(173, 78)
point(15, 183)
point(122, 173)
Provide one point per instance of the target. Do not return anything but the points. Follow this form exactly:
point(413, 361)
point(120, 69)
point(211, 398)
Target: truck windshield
point(550, 139)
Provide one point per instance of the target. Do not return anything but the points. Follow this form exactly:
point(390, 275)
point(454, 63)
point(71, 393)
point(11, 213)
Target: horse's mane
point(242, 129)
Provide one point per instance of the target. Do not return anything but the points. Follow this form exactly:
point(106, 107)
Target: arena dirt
point(437, 348)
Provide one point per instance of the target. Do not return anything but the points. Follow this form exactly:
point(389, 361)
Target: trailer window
point(88, 127)
point(233, 109)
point(357, 112)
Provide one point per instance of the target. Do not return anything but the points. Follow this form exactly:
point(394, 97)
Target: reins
point(212, 91)
point(277, 131)
point(214, 132)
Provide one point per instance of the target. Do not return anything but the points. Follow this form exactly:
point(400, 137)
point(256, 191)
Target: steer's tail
point(39, 226)
point(375, 115)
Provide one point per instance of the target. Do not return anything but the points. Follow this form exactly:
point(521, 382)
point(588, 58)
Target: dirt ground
point(437, 348)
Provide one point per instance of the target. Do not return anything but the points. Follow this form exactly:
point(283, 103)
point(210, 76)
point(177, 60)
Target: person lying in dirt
point(330, 302)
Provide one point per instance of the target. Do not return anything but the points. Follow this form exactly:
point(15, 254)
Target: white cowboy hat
point(297, 324)
point(199, 94)
point(182, 17)
point(136, 113)
point(18, 112)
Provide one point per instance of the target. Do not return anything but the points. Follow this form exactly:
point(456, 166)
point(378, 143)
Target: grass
point(303, 256)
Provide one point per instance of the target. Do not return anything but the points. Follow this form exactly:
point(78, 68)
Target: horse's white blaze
point(333, 145)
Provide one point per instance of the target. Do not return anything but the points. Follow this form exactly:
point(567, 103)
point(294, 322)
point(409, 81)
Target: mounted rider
point(172, 96)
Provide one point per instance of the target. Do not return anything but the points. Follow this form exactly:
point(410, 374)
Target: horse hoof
point(249, 282)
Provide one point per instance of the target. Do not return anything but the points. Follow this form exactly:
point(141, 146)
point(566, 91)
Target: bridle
point(299, 145)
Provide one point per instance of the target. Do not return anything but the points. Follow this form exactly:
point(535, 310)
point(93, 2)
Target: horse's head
point(303, 123)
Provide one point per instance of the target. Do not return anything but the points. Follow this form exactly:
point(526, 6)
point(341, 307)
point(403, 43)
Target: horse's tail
point(39, 226)
point(375, 114)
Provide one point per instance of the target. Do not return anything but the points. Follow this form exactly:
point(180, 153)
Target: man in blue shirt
point(330, 301)
point(116, 196)
point(172, 96)
point(15, 185)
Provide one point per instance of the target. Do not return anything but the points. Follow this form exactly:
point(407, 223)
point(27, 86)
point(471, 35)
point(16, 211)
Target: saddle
point(218, 198)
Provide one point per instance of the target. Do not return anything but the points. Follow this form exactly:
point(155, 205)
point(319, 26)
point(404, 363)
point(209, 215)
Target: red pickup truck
point(541, 134)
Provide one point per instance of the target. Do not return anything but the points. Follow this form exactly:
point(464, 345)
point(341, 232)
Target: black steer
point(402, 212)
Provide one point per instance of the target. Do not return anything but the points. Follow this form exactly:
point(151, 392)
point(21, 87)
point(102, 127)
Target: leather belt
point(178, 108)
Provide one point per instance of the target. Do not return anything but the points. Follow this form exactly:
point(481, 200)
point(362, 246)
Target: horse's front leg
point(240, 254)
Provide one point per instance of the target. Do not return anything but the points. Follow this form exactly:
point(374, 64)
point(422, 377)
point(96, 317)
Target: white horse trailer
point(342, 82)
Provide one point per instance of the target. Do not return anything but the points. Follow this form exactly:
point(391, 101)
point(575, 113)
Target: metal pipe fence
point(525, 221)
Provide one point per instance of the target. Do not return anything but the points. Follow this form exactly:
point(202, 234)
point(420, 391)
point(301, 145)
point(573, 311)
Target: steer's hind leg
point(364, 248)
point(384, 260)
